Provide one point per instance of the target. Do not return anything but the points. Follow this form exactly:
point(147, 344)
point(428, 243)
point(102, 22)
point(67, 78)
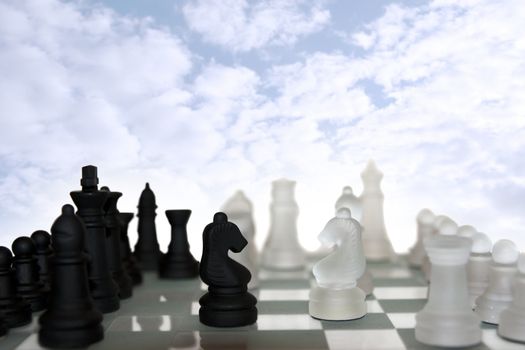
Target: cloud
point(240, 25)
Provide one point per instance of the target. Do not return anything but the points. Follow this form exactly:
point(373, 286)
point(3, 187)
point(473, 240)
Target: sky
point(201, 98)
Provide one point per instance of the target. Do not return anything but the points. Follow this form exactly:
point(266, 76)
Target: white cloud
point(241, 25)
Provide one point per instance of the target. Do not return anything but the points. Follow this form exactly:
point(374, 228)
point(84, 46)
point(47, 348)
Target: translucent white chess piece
point(425, 265)
point(349, 200)
point(282, 250)
point(447, 319)
point(478, 266)
point(336, 295)
point(240, 211)
point(467, 231)
point(498, 295)
point(512, 319)
point(376, 244)
point(425, 220)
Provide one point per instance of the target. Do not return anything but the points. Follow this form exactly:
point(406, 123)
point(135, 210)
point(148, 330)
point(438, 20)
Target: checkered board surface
point(164, 315)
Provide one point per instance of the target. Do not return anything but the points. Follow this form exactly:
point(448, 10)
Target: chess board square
point(15, 339)
point(493, 341)
point(383, 339)
point(400, 293)
point(287, 322)
point(284, 294)
point(373, 306)
point(282, 307)
point(389, 272)
point(403, 320)
point(284, 284)
point(369, 321)
point(413, 305)
point(400, 282)
point(409, 339)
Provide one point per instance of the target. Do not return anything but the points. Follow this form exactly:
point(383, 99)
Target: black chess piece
point(43, 254)
point(228, 302)
point(28, 284)
point(119, 273)
point(3, 326)
point(178, 261)
point(71, 320)
point(15, 310)
point(147, 249)
point(89, 202)
point(128, 259)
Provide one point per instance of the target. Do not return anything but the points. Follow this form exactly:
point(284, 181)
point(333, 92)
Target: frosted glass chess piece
point(376, 244)
point(512, 319)
point(478, 266)
point(240, 211)
point(349, 200)
point(336, 295)
point(447, 319)
point(498, 295)
point(425, 265)
point(282, 250)
point(467, 231)
point(425, 220)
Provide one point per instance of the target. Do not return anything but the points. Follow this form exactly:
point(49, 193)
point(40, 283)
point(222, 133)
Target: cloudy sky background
point(201, 98)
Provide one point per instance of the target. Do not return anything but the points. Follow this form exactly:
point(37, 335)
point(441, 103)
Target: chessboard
point(163, 314)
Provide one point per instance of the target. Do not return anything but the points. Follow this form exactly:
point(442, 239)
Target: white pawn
point(240, 211)
point(498, 295)
point(467, 231)
point(478, 266)
point(447, 319)
point(512, 319)
point(349, 200)
point(425, 265)
point(425, 220)
point(336, 295)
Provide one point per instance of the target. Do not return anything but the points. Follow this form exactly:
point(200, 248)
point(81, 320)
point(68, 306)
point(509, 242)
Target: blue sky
point(201, 98)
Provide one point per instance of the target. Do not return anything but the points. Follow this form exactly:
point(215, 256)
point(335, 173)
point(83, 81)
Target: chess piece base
point(16, 315)
point(228, 308)
point(512, 324)
point(147, 262)
point(68, 331)
point(173, 269)
point(490, 309)
point(107, 305)
point(337, 304)
point(447, 329)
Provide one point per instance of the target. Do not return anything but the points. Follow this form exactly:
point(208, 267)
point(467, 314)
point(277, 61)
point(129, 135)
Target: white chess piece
point(282, 250)
point(498, 295)
point(425, 220)
point(376, 244)
point(425, 265)
point(336, 295)
point(478, 266)
point(467, 231)
point(349, 200)
point(240, 211)
point(512, 319)
point(447, 319)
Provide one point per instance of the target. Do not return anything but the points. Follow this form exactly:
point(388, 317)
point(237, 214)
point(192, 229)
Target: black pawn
point(89, 202)
point(119, 273)
point(178, 261)
point(15, 310)
point(147, 249)
point(28, 283)
point(130, 263)
point(43, 254)
point(71, 320)
point(228, 302)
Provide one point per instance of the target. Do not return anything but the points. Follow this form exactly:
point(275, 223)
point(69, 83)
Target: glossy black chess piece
point(16, 311)
point(147, 249)
point(28, 284)
point(228, 302)
point(3, 326)
point(119, 273)
point(90, 202)
point(128, 259)
point(43, 255)
point(71, 320)
point(178, 262)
